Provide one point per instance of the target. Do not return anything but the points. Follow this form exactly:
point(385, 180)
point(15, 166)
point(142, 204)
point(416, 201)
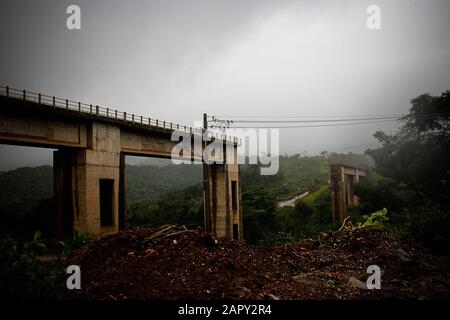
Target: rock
point(150, 252)
point(402, 255)
point(273, 297)
point(243, 292)
point(208, 240)
point(47, 257)
point(323, 236)
point(426, 266)
point(355, 283)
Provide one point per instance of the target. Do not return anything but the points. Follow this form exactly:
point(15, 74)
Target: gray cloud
point(177, 59)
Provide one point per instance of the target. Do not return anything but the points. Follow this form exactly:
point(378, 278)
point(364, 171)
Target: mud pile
point(175, 263)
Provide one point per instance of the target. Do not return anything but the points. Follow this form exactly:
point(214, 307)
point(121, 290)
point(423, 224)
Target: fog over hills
point(175, 60)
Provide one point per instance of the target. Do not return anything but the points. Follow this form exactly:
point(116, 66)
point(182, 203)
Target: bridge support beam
point(222, 199)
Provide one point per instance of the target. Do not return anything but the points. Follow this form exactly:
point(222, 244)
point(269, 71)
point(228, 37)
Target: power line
point(311, 121)
point(319, 122)
point(245, 119)
point(303, 117)
point(306, 126)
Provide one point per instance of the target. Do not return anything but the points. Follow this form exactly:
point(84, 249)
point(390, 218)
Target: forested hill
point(150, 182)
point(156, 195)
point(23, 188)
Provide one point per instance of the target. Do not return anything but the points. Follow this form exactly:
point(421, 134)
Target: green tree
point(416, 159)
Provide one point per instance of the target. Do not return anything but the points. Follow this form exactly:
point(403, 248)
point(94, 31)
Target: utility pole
point(205, 121)
point(206, 186)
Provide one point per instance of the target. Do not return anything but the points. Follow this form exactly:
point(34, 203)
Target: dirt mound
point(175, 263)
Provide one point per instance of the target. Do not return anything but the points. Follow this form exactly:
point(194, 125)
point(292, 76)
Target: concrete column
point(222, 200)
point(100, 162)
point(356, 175)
point(122, 197)
point(80, 174)
point(356, 180)
point(338, 193)
point(235, 202)
point(348, 189)
point(63, 192)
point(207, 192)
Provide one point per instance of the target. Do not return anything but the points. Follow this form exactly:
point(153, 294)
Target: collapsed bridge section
point(342, 179)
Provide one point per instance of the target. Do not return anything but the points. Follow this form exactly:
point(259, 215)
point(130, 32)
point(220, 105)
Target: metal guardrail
point(109, 113)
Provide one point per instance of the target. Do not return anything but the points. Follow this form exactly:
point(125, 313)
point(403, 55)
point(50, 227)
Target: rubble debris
point(355, 283)
point(201, 266)
point(402, 255)
point(243, 292)
point(273, 297)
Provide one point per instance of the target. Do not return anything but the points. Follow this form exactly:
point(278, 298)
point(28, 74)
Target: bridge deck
point(105, 114)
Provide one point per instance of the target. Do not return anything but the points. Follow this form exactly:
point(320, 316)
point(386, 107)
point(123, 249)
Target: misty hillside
point(150, 182)
point(21, 189)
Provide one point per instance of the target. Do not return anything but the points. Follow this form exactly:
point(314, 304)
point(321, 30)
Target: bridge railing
point(106, 112)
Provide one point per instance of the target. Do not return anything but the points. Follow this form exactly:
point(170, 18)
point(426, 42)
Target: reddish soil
point(194, 265)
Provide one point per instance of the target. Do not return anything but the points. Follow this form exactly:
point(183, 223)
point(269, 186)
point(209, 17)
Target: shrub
point(22, 275)
point(376, 220)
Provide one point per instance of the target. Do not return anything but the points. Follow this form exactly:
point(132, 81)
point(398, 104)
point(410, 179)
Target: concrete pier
point(342, 179)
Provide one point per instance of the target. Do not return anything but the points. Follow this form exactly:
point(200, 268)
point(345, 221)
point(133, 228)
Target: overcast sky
point(175, 60)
